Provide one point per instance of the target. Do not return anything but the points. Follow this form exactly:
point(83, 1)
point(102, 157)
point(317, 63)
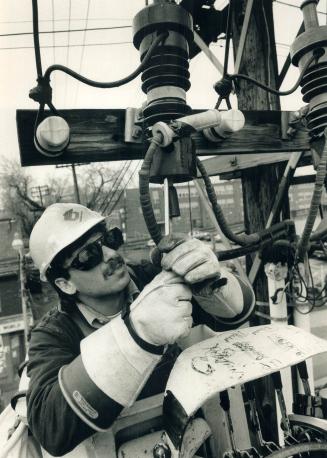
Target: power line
point(65, 46)
point(123, 190)
point(91, 29)
point(53, 36)
point(298, 7)
point(83, 48)
point(68, 48)
point(73, 19)
point(115, 187)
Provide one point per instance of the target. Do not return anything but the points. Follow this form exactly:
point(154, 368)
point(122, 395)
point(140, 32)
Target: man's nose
point(108, 253)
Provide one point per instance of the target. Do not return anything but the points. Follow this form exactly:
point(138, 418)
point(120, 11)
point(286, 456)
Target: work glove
point(188, 257)
point(161, 314)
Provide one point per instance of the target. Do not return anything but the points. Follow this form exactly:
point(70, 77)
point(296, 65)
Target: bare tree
point(16, 197)
point(98, 185)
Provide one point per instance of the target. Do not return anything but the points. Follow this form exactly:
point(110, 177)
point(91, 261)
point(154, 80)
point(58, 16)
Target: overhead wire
point(125, 187)
point(113, 187)
point(85, 29)
point(73, 19)
point(117, 186)
point(83, 48)
point(68, 49)
point(296, 6)
point(65, 46)
point(53, 35)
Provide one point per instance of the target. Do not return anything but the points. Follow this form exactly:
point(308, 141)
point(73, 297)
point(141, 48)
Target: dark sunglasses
point(91, 255)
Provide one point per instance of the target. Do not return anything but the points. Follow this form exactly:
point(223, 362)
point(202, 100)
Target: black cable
point(269, 89)
point(228, 33)
point(36, 38)
point(244, 239)
point(112, 84)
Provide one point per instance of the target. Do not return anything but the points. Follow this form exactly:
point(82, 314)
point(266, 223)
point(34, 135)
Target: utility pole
point(259, 184)
point(76, 188)
point(39, 192)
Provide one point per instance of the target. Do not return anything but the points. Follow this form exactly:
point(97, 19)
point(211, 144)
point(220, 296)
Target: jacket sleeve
point(52, 421)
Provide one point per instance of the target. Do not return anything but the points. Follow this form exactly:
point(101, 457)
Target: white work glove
point(161, 314)
point(190, 258)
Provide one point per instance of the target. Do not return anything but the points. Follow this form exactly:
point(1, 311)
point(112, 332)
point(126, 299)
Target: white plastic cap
point(52, 135)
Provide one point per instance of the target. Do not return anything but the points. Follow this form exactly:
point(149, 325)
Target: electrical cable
point(117, 188)
point(297, 7)
point(105, 85)
point(85, 29)
point(53, 36)
point(228, 35)
point(65, 20)
point(145, 198)
point(83, 49)
point(65, 46)
point(243, 239)
point(269, 89)
point(303, 244)
point(68, 48)
point(225, 96)
point(36, 39)
point(116, 185)
point(123, 190)
point(269, 52)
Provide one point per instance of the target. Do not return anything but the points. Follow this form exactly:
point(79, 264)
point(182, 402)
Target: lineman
point(109, 344)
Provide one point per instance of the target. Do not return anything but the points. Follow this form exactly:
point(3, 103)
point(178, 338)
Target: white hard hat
point(59, 226)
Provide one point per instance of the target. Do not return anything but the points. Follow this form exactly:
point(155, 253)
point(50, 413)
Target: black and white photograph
point(163, 228)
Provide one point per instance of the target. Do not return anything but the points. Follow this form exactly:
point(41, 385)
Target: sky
point(103, 55)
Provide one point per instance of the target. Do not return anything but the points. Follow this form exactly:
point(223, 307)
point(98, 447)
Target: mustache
point(114, 263)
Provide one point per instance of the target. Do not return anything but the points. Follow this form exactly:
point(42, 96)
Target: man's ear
point(65, 285)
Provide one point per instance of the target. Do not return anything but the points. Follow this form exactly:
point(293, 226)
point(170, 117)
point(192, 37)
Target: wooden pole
point(259, 184)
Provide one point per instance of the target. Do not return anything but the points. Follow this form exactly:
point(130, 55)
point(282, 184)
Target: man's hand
point(162, 312)
point(190, 258)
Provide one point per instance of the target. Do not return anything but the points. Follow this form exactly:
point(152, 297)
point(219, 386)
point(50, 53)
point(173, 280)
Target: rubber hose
point(303, 244)
point(242, 240)
point(145, 198)
point(299, 448)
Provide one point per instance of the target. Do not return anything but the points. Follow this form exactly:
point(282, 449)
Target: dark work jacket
point(55, 342)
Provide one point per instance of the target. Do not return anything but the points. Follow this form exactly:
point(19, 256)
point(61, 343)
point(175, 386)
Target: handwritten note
point(235, 357)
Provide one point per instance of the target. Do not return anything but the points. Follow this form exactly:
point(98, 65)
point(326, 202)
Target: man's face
point(108, 278)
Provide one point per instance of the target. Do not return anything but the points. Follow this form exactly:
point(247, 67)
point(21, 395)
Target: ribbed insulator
point(314, 90)
point(165, 79)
